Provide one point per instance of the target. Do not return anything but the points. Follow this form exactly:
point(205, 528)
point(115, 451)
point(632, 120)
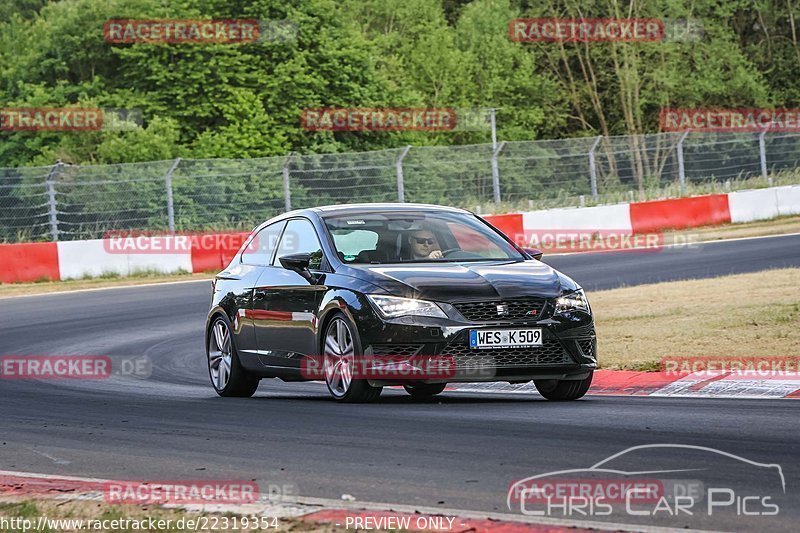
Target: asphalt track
point(461, 451)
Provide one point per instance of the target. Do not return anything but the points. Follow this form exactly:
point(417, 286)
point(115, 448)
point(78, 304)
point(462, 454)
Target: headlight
point(574, 301)
point(392, 306)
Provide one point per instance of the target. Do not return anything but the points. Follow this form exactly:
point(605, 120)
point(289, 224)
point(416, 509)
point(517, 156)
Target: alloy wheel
point(339, 356)
point(220, 354)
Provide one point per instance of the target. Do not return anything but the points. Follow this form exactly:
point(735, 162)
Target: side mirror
point(298, 263)
point(534, 252)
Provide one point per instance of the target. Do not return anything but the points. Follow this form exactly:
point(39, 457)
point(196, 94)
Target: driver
point(424, 245)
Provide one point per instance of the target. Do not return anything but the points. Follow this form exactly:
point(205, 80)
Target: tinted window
point(351, 243)
point(397, 237)
point(300, 237)
point(259, 251)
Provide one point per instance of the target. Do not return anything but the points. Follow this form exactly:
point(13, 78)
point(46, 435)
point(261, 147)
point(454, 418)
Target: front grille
point(397, 350)
point(587, 347)
point(519, 309)
point(550, 353)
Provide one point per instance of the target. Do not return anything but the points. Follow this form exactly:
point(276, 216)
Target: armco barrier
point(95, 258)
point(680, 213)
point(28, 262)
point(788, 200)
point(75, 259)
point(756, 204)
point(607, 217)
point(213, 259)
point(510, 224)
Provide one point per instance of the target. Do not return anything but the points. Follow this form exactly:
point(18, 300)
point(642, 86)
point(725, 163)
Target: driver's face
point(423, 242)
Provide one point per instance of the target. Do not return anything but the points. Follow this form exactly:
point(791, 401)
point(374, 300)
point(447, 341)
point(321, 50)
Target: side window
point(300, 237)
point(353, 242)
point(259, 251)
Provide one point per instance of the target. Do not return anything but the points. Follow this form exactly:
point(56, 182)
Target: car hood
point(464, 281)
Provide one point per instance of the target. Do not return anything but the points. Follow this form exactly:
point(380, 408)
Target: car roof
point(329, 210)
point(357, 209)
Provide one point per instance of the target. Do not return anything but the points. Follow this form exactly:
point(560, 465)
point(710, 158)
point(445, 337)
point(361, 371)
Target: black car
point(366, 296)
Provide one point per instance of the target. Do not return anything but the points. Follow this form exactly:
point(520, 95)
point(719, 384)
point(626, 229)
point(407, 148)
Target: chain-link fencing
point(68, 202)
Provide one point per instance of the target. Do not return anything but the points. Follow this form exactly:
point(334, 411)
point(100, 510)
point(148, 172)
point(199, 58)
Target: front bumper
point(568, 351)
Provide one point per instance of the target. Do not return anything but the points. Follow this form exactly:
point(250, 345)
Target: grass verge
point(743, 315)
point(777, 226)
point(45, 286)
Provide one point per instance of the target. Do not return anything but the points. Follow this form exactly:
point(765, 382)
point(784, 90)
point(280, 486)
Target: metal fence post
point(493, 127)
point(496, 172)
point(51, 199)
point(681, 168)
point(593, 169)
point(401, 188)
point(170, 200)
point(762, 152)
point(287, 194)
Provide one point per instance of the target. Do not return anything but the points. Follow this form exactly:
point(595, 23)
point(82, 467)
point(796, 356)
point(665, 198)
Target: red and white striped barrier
point(212, 252)
point(657, 215)
point(118, 256)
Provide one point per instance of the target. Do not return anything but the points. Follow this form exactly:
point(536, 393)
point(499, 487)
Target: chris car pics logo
point(633, 483)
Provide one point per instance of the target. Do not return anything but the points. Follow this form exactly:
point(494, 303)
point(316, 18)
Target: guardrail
point(212, 252)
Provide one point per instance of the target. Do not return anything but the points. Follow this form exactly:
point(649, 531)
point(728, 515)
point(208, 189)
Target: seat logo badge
point(502, 310)
point(533, 312)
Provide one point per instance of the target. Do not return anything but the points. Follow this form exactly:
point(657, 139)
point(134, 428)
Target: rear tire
point(228, 377)
point(424, 391)
point(341, 347)
point(563, 390)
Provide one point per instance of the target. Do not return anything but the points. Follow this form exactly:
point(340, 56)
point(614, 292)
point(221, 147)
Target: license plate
point(482, 339)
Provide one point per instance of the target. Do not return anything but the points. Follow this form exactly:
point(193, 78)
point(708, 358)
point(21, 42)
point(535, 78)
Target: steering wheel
point(445, 253)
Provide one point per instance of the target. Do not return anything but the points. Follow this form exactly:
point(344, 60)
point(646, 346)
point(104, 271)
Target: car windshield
point(418, 236)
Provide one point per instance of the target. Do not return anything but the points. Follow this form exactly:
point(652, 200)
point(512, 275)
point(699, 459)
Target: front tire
point(341, 348)
point(228, 377)
point(424, 391)
point(563, 390)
